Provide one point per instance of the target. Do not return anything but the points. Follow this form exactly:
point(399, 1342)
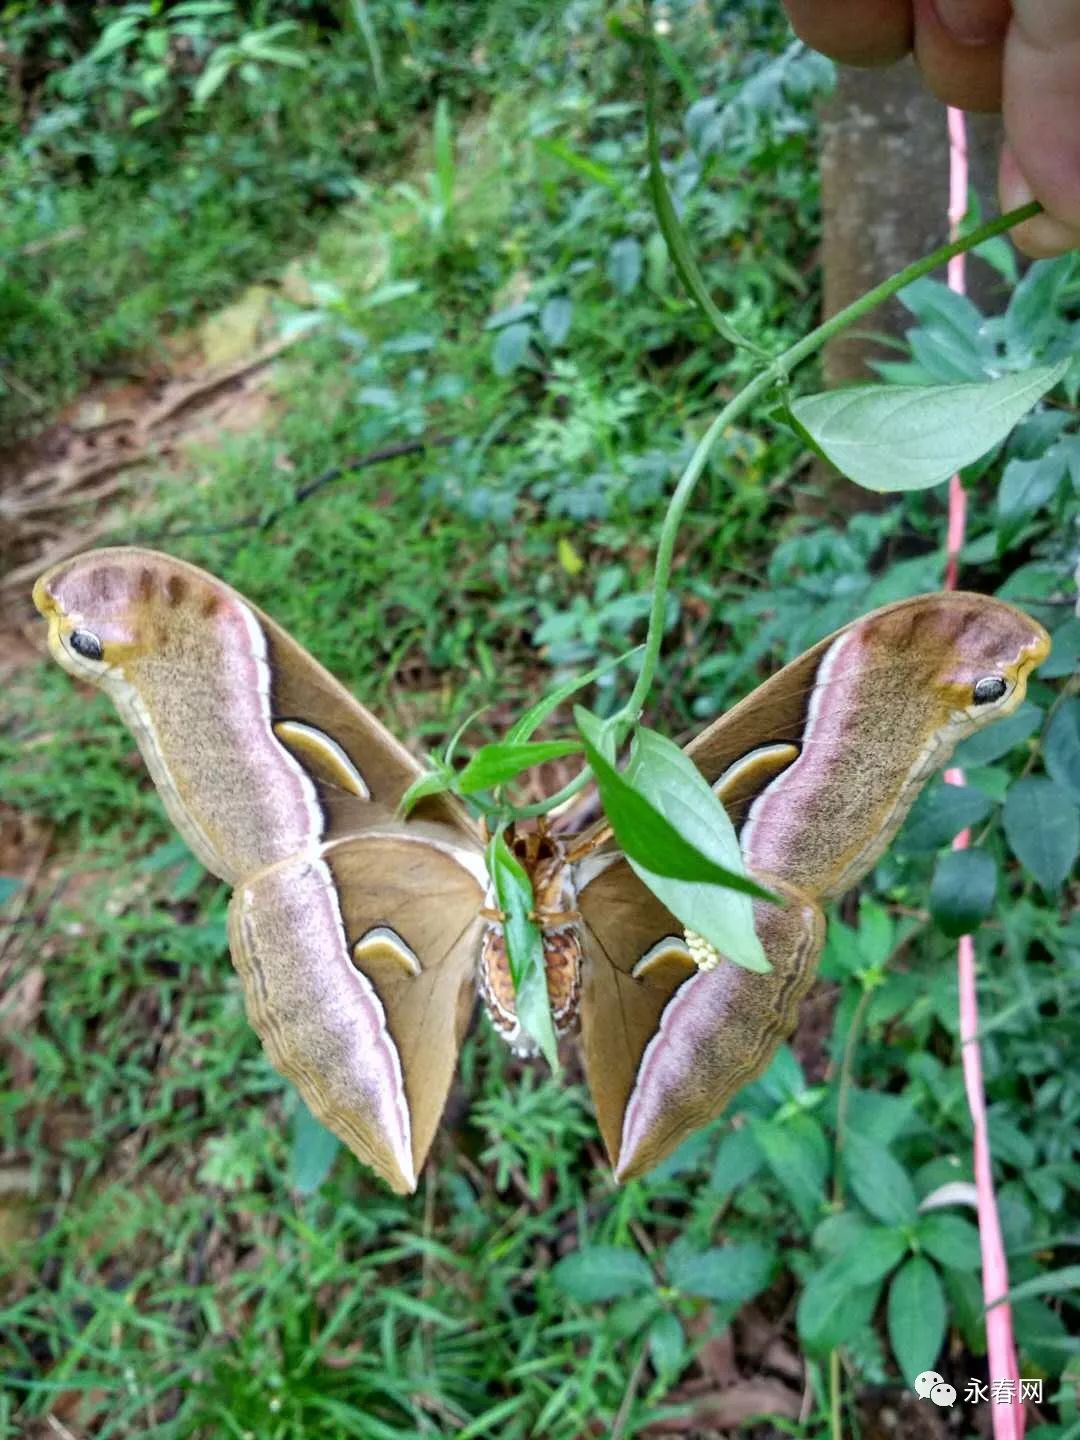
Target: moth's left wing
point(358, 966)
point(257, 751)
point(666, 1045)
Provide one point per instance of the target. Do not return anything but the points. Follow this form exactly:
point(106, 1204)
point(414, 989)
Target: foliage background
point(480, 270)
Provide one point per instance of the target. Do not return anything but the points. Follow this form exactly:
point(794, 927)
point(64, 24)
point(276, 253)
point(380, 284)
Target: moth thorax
point(562, 967)
point(555, 900)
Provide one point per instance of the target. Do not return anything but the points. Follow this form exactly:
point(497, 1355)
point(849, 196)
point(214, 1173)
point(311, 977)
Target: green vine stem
point(776, 373)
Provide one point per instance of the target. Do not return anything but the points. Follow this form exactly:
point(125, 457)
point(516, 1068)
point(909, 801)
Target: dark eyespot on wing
point(989, 689)
point(86, 644)
point(175, 589)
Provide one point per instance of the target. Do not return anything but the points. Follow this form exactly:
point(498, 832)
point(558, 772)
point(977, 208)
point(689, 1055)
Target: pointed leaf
point(1061, 748)
point(511, 348)
point(493, 764)
point(313, 1152)
point(951, 1240)
point(624, 264)
point(941, 812)
point(916, 1317)
point(830, 1311)
point(909, 437)
point(555, 319)
point(602, 1272)
point(878, 1181)
point(434, 782)
point(667, 1345)
point(549, 703)
point(686, 874)
point(962, 891)
point(524, 947)
point(1042, 826)
point(796, 1152)
point(728, 1273)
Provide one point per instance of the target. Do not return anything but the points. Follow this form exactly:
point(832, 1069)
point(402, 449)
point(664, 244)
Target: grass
point(167, 1274)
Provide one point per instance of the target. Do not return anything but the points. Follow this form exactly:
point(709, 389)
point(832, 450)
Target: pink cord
point(1008, 1415)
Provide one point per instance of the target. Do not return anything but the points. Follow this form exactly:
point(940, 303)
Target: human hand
point(1018, 56)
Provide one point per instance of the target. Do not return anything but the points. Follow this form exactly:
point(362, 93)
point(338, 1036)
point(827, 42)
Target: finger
point(873, 32)
point(959, 46)
point(1042, 122)
point(1044, 236)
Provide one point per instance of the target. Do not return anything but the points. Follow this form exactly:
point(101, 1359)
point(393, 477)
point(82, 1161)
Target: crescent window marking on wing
point(382, 941)
point(308, 793)
point(326, 751)
point(672, 948)
point(782, 750)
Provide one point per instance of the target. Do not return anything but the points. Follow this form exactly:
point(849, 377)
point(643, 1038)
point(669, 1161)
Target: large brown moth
point(360, 937)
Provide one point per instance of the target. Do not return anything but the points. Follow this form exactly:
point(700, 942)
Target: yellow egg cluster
point(704, 955)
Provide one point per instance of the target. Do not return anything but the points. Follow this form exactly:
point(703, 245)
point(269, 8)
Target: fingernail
point(1045, 237)
point(972, 22)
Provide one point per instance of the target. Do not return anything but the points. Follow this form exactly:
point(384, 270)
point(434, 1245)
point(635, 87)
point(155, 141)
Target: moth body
point(545, 860)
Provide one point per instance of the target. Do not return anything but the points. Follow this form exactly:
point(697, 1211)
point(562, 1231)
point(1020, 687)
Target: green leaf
point(361, 16)
point(830, 1311)
point(1042, 826)
point(659, 851)
point(312, 1153)
point(589, 169)
point(909, 437)
point(872, 1253)
point(1064, 658)
point(493, 764)
point(555, 319)
point(1026, 486)
point(443, 146)
point(1065, 1281)
point(729, 1273)
point(674, 234)
point(999, 738)
point(916, 1317)
point(667, 1345)
point(524, 947)
point(550, 702)
point(878, 1181)
point(433, 782)
point(950, 1239)
point(624, 264)
point(511, 348)
point(602, 1272)
point(796, 1152)
point(738, 1159)
point(117, 35)
point(941, 812)
point(214, 76)
point(962, 891)
point(1061, 746)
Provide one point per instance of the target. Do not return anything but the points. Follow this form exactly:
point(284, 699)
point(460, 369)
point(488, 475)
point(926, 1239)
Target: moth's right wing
point(667, 1045)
